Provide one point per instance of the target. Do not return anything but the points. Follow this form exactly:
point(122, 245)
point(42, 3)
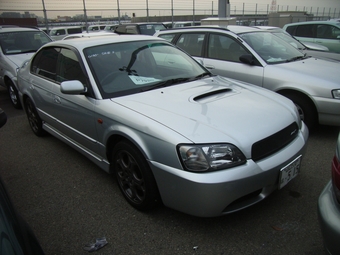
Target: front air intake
point(274, 143)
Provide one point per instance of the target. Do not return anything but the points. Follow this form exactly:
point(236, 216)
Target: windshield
point(133, 67)
point(271, 48)
point(150, 29)
point(22, 42)
point(290, 40)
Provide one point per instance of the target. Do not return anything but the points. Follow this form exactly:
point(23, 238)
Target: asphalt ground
point(69, 202)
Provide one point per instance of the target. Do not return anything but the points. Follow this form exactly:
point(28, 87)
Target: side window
point(225, 48)
point(45, 63)
point(327, 32)
point(121, 29)
point(168, 37)
point(291, 30)
point(60, 32)
point(68, 67)
point(305, 31)
point(191, 43)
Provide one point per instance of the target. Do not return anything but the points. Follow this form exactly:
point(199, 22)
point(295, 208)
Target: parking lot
point(69, 202)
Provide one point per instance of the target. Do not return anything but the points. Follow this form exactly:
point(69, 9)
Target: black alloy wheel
point(33, 118)
point(134, 177)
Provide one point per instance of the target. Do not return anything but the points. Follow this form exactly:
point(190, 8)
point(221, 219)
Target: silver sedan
point(261, 58)
point(167, 128)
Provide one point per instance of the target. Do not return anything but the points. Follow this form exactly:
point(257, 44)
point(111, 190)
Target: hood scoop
point(212, 95)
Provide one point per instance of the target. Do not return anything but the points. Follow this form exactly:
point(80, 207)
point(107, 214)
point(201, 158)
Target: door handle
point(57, 100)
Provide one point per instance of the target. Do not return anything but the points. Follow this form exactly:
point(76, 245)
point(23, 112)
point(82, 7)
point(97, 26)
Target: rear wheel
point(13, 95)
point(134, 177)
point(33, 118)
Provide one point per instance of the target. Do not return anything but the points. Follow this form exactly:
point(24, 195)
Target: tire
point(134, 177)
point(33, 118)
point(13, 95)
point(306, 109)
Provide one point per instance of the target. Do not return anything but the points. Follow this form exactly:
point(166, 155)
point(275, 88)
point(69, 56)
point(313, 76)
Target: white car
point(17, 45)
point(169, 130)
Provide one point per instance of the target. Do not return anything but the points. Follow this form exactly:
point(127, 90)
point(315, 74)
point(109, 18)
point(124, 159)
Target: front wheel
point(306, 110)
point(14, 95)
point(134, 177)
point(33, 118)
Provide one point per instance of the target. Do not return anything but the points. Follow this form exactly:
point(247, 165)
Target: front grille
point(274, 143)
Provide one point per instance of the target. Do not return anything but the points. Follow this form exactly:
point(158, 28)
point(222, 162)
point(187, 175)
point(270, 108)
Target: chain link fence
point(56, 12)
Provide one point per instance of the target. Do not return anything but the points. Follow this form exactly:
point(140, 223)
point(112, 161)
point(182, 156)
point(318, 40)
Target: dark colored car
point(329, 207)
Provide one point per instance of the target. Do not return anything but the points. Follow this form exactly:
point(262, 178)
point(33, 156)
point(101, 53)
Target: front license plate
point(289, 172)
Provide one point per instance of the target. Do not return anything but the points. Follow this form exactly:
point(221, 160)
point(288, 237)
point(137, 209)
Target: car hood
point(215, 110)
point(18, 59)
point(308, 75)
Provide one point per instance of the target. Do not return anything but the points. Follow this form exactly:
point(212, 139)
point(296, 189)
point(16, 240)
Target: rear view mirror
point(247, 59)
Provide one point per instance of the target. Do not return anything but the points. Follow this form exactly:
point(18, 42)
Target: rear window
point(75, 30)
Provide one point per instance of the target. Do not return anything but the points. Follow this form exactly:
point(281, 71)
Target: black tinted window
point(305, 31)
point(45, 63)
point(69, 67)
point(74, 30)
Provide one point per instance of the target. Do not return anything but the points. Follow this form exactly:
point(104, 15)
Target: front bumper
point(329, 111)
point(221, 192)
point(329, 219)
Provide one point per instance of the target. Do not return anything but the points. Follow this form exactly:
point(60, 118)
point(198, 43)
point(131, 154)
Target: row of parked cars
point(218, 112)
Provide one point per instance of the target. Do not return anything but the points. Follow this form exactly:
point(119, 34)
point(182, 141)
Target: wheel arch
point(291, 92)
point(118, 137)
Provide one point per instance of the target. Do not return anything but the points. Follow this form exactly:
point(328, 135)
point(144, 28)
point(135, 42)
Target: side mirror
point(247, 59)
point(72, 88)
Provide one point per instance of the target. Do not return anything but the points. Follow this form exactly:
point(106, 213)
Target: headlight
point(211, 157)
point(336, 93)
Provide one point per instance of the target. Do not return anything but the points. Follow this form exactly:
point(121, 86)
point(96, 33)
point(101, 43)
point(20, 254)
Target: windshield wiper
point(166, 83)
point(200, 76)
point(170, 82)
point(297, 58)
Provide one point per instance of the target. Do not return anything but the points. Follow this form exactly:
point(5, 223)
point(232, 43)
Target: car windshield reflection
point(127, 68)
point(271, 48)
point(22, 42)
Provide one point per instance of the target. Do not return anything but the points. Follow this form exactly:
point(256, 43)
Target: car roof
point(17, 29)
point(232, 28)
point(329, 22)
point(88, 35)
point(101, 40)
point(142, 23)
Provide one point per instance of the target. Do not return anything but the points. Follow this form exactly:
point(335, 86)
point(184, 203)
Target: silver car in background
point(17, 44)
point(261, 58)
point(311, 49)
point(169, 130)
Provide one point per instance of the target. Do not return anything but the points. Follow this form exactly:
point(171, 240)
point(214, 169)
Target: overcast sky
point(161, 7)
